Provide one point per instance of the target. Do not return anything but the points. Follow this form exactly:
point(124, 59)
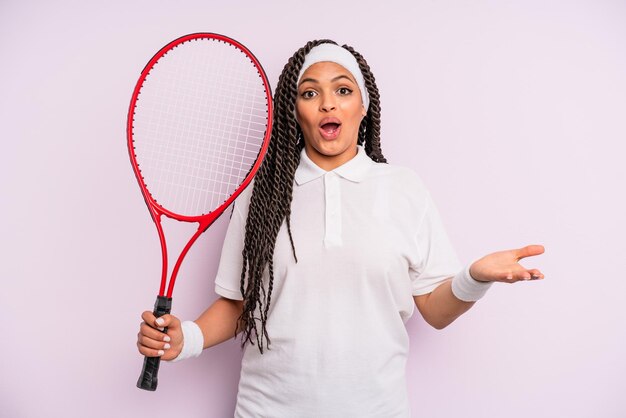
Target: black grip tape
point(149, 375)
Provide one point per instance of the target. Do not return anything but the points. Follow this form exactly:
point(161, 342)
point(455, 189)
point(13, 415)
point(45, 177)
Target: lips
point(330, 128)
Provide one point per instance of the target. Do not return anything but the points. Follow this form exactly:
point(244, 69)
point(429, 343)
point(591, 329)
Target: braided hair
point(270, 203)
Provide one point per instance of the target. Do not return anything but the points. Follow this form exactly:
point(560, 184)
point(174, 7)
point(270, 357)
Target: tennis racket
point(198, 128)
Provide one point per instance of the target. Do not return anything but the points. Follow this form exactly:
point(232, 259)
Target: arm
point(441, 307)
point(219, 320)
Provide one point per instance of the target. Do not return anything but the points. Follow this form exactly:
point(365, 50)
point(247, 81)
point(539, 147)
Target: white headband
point(338, 55)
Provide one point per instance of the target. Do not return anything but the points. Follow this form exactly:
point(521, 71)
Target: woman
point(327, 255)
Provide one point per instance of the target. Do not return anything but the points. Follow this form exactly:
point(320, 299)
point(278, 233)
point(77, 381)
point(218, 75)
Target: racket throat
point(162, 306)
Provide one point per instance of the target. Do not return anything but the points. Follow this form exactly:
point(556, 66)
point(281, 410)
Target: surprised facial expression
point(329, 111)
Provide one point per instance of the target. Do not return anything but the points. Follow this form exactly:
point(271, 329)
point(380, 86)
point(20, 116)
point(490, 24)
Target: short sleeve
point(228, 279)
point(436, 259)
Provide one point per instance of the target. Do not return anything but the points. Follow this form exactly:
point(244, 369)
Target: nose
point(327, 104)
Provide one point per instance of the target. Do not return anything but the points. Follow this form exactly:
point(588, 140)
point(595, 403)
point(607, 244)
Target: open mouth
point(330, 128)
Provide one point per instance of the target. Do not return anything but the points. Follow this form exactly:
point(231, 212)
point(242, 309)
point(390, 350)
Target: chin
point(331, 149)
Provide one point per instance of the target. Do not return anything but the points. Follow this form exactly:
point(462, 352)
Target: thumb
point(529, 251)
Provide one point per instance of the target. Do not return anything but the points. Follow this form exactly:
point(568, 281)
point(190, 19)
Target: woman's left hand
point(503, 266)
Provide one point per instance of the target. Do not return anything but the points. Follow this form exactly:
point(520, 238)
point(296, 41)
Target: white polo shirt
point(368, 237)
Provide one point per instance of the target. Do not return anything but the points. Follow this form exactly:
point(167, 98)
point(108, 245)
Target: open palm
point(503, 266)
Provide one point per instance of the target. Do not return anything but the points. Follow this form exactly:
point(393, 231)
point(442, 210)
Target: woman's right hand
point(152, 342)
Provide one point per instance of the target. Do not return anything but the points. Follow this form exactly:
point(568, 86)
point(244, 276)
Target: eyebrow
point(339, 77)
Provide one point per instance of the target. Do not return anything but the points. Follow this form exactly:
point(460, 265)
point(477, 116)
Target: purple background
point(511, 111)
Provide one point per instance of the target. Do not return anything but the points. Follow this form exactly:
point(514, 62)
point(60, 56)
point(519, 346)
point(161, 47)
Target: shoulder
point(400, 178)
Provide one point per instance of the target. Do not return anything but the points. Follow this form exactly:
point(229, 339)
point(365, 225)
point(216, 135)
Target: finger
point(167, 320)
point(517, 274)
point(535, 274)
point(529, 251)
point(150, 352)
point(509, 277)
point(148, 317)
point(530, 274)
point(158, 323)
point(150, 343)
point(147, 331)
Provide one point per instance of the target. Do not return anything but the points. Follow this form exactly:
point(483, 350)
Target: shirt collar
point(354, 170)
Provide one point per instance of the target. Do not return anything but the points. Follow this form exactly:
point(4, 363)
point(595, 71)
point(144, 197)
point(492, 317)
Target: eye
point(308, 94)
point(344, 91)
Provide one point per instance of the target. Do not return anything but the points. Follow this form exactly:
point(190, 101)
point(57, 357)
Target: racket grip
point(149, 374)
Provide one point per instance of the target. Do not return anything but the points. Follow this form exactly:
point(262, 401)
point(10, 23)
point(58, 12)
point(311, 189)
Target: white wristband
point(466, 288)
point(193, 341)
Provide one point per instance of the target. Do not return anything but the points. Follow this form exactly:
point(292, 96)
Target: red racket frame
point(156, 210)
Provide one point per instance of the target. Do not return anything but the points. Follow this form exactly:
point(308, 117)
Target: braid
point(270, 203)
point(369, 130)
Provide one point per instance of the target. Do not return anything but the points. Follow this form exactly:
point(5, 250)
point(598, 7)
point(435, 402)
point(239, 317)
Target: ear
point(363, 110)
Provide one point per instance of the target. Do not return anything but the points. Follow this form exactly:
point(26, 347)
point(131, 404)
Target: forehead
point(326, 70)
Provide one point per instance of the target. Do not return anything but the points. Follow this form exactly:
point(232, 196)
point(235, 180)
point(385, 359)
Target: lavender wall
point(511, 111)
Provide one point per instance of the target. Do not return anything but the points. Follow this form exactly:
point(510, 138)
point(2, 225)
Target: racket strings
point(198, 125)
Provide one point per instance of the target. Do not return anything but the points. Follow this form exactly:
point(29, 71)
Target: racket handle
point(149, 375)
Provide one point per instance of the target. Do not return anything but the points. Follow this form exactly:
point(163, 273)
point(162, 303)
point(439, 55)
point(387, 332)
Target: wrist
point(193, 341)
point(468, 289)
